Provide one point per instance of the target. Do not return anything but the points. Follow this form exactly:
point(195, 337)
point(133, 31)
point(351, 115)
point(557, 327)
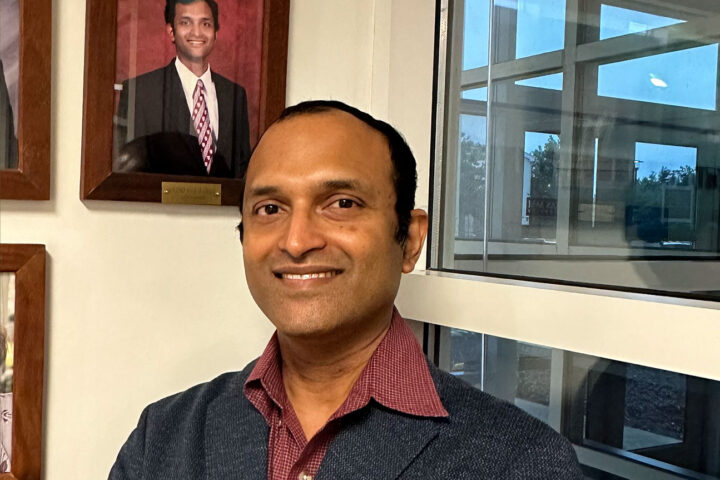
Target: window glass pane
point(686, 78)
point(466, 355)
point(638, 422)
point(471, 177)
point(616, 21)
point(552, 82)
point(479, 94)
point(655, 403)
point(476, 33)
point(605, 171)
point(539, 24)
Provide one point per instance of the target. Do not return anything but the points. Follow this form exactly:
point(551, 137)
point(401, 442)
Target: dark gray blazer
point(213, 432)
point(160, 107)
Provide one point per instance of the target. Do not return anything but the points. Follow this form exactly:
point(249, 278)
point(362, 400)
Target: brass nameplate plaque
point(191, 193)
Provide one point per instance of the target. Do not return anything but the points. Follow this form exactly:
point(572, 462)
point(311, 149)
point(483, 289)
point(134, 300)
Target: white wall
point(144, 299)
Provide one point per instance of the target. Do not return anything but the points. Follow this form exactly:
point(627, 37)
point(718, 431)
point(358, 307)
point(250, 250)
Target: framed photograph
point(22, 349)
point(25, 44)
point(177, 92)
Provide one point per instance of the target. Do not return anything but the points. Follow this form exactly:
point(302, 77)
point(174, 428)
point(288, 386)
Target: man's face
point(319, 223)
point(193, 31)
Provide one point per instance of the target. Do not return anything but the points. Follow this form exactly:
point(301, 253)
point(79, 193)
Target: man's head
point(192, 26)
point(328, 219)
point(403, 161)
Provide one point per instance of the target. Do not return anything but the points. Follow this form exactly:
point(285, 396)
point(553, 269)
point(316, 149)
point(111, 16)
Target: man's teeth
point(307, 276)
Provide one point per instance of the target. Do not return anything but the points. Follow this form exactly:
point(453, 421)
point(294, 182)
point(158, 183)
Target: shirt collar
point(396, 376)
point(189, 79)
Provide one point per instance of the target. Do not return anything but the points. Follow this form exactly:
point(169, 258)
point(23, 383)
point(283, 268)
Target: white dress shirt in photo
point(189, 80)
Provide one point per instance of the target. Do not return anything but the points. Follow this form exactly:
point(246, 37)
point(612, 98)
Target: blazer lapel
point(377, 443)
point(176, 116)
point(225, 92)
point(236, 439)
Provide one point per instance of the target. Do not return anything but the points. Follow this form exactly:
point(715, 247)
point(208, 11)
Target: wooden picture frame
point(98, 180)
point(31, 180)
point(28, 264)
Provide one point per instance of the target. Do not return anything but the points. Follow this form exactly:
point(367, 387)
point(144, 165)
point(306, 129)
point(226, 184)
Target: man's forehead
point(331, 130)
point(197, 5)
point(320, 146)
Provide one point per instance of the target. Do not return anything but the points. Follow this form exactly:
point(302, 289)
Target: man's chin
point(305, 324)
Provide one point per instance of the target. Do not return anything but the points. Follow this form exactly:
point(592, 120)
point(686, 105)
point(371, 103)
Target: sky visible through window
point(651, 157)
point(616, 21)
point(686, 78)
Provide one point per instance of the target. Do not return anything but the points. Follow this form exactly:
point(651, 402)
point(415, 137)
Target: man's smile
point(306, 273)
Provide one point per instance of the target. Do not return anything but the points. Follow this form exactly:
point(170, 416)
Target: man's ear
point(415, 239)
point(170, 32)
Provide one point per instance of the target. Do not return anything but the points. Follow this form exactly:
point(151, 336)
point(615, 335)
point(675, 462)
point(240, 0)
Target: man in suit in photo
point(343, 389)
point(183, 118)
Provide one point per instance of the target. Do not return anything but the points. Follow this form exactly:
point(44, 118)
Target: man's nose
point(303, 234)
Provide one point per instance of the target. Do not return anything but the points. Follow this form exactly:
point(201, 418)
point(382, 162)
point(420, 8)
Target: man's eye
point(346, 203)
point(268, 210)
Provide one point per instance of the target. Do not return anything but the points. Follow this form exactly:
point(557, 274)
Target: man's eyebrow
point(341, 184)
point(263, 190)
point(327, 185)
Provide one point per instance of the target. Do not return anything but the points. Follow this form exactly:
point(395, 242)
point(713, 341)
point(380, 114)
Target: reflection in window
point(479, 94)
point(616, 21)
point(539, 207)
point(663, 209)
point(471, 177)
point(632, 414)
point(476, 32)
point(550, 82)
point(686, 78)
point(654, 408)
point(540, 25)
point(632, 200)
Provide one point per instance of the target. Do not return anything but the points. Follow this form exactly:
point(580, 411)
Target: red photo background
point(143, 45)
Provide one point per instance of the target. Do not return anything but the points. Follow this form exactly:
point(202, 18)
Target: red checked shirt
point(396, 376)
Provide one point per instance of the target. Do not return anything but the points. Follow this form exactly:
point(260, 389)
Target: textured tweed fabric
point(213, 432)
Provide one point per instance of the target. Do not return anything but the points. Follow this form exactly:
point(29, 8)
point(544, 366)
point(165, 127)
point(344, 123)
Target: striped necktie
point(201, 120)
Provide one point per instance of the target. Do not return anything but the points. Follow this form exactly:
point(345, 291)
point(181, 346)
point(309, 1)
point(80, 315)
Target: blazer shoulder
point(222, 82)
point(153, 77)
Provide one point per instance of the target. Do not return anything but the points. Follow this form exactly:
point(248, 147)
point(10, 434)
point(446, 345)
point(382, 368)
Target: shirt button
point(305, 476)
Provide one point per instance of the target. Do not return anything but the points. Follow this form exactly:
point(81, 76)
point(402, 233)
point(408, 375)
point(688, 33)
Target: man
point(183, 118)
point(343, 390)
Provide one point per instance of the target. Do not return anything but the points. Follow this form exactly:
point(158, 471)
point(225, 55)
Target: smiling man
point(343, 390)
point(183, 118)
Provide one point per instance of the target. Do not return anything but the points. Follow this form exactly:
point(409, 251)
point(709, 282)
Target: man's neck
point(198, 68)
point(319, 374)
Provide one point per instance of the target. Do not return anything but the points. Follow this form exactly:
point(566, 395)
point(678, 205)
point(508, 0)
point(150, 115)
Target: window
point(579, 144)
point(626, 421)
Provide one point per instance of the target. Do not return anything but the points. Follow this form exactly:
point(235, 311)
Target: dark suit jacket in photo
point(213, 432)
point(155, 132)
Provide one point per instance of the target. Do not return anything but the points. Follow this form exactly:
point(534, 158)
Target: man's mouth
point(307, 276)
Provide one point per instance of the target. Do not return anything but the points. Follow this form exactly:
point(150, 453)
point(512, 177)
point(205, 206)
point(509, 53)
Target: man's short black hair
point(170, 10)
point(404, 165)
